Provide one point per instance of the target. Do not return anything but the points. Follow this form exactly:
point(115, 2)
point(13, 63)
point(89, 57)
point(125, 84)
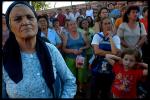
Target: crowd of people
point(76, 54)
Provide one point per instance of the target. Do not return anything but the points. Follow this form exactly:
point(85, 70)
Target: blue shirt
point(33, 84)
point(75, 44)
point(52, 37)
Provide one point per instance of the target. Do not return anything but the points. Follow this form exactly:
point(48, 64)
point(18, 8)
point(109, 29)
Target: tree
point(39, 5)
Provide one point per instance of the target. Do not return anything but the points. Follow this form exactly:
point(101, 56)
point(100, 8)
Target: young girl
point(127, 73)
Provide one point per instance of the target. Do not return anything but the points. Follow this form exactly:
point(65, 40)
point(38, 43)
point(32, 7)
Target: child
point(126, 73)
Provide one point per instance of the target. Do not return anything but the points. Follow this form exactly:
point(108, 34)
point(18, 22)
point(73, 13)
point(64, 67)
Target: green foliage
point(39, 5)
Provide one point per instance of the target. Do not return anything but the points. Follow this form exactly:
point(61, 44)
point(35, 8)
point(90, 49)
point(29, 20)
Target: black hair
point(125, 17)
point(80, 24)
point(12, 58)
point(55, 20)
point(91, 24)
point(78, 18)
point(99, 12)
point(45, 17)
point(110, 4)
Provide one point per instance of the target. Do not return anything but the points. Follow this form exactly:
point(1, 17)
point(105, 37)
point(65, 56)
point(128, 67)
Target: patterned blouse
point(33, 84)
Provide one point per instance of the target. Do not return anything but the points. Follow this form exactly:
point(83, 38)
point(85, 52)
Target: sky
point(58, 4)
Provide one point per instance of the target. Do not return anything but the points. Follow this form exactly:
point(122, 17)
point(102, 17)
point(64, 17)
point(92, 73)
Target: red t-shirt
point(125, 82)
point(145, 22)
point(61, 18)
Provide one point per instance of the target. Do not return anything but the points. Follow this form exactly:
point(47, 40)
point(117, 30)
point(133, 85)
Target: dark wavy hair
point(91, 24)
point(125, 17)
point(12, 58)
point(80, 24)
point(99, 18)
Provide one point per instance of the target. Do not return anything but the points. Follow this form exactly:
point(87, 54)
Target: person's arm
point(143, 37)
point(95, 45)
point(112, 58)
point(100, 52)
point(141, 41)
point(113, 47)
point(68, 80)
point(120, 33)
point(145, 66)
point(4, 92)
point(58, 40)
point(87, 45)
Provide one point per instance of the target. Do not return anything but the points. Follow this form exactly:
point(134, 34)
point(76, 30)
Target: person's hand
point(76, 52)
point(80, 50)
point(109, 34)
point(142, 64)
point(131, 46)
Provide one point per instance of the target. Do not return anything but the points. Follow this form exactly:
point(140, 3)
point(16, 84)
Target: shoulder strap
point(105, 39)
point(140, 28)
point(101, 36)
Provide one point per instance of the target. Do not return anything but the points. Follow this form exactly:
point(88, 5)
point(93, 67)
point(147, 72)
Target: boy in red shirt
point(126, 73)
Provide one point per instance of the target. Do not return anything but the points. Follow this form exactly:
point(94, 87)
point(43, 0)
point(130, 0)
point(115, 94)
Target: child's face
point(129, 61)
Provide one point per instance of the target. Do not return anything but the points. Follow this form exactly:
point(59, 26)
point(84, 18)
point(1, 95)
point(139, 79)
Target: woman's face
point(85, 24)
point(129, 61)
point(89, 19)
point(106, 25)
point(133, 15)
point(23, 22)
point(79, 20)
point(42, 23)
point(56, 24)
point(104, 13)
point(72, 26)
point(88, 6)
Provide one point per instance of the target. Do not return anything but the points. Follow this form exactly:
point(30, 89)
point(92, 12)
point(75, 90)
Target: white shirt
point(131, 36)
point(89, 13)
point(73, 16)
point(67, 16)
point(97, 39)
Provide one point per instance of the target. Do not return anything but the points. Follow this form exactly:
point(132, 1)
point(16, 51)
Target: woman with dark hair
point(132, 33)
point(103, 12)
point(47, 32)
point(79, 18)
point(31, 66)
point(104, 42)
point(90, 20)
